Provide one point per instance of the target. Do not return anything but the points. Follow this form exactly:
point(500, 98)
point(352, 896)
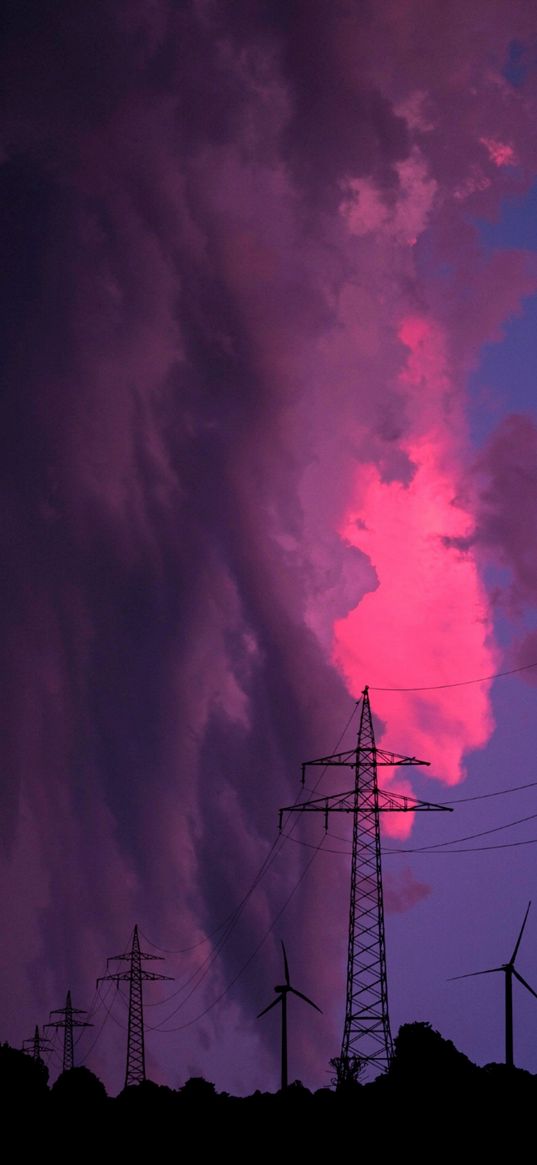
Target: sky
point(268, 434)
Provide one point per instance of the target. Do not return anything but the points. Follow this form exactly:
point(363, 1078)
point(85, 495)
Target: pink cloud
point(403, 890)
point(499, 152)
point(367, 209)
point(428, 620)
point(244, 295)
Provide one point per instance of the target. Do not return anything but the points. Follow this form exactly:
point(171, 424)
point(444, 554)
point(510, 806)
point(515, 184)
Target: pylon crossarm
point(62, 1010)
point(383, 757)
point(380, 755)
point(37, 1044)
point(142, 954)
point(382, 802)
point(74, 1023)
point(125, 976)
point(120, 976)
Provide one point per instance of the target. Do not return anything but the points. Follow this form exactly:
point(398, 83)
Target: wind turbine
point(509, 970)
point(282, 991)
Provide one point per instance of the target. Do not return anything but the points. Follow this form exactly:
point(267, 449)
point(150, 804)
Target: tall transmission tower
point(367, 1040)
point(68, 1023)
point(135, 976)
point(35, 1046)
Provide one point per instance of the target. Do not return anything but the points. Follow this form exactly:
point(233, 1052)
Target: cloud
point(429, 612)
point(241, 295)
point(505, 487)
point(403, 890)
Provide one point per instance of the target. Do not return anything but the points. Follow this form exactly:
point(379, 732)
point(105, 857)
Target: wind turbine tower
point(510, 972)
point(282, 991)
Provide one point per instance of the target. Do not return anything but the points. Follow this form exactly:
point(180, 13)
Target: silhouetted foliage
point(197, 1091)
point(21, 1077)
point(295, 1096)
point(422, 1056)
point(347, 1072)
point(145, 1097)
point(427, 1070)
point(79, 1088)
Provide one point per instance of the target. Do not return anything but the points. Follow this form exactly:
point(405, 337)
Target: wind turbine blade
point(524, 984)
point(517, 944)
point(270, 1006)
point(285, 965)
point(471, 974)
point(305, 998)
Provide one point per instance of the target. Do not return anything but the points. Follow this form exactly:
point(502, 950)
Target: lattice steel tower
point(135, 976)
point(367, 1041)
point(38, 1044)
point(68, 1022)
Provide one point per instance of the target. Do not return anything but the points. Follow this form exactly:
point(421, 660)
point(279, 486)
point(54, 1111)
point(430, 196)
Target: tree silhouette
point(347, 1072)
point(422, 1055)
point(21, 1077)
point(79, 1088)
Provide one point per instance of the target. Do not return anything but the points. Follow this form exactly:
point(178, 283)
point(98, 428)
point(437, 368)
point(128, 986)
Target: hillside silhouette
point(431, 1088)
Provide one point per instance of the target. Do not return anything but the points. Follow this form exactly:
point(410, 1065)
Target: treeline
point(431, 1100)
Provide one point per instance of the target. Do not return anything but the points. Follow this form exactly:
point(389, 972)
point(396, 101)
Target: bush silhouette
point(21, 1077)
point(79, 1088)
point(422, 1054)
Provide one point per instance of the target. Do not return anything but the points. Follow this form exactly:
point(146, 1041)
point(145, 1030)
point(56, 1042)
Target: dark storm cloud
point(141, 435)
point(198, 351)
point(507, 511)
point(340, 124)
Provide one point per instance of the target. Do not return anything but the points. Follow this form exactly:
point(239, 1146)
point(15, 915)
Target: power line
point(267, 862)
point(444, 844)
point(477, 849)
point(251, 957)
point(111, 1014)
point(469, 836)
point(107, 1014)
point(202, 970)
point(473, 849)
point(229, 923)
point(476, 796)
point(199, 974)
point(458, 683)
point(484, 796)
point(194, 946)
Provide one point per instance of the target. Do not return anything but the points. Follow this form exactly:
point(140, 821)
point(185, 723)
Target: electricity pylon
point(367, 1041)
point(68, 1023)
point(38, 1044)
point(135, 976)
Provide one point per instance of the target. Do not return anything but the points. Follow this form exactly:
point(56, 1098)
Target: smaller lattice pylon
point(135, 1071)
point(35, 1045)
point(68, 1022)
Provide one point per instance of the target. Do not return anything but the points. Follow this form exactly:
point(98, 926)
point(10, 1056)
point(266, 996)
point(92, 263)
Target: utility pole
point(367, 1041)
point(35, 1045)
point(68, 1023)
point(135, 976)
